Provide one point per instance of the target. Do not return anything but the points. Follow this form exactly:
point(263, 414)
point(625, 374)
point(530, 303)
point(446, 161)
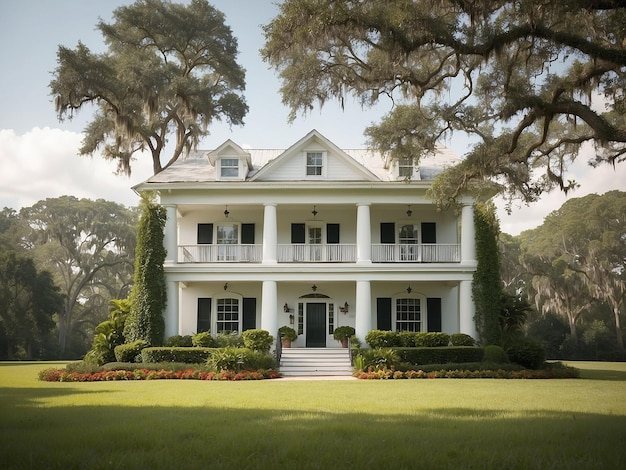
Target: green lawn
point(442, 423)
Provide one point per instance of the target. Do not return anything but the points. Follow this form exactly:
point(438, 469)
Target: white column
point(467, 310)
point(171, 318)
point(270, 237)
point(363, 234)
point(170, 237)
point(468, 241)
point(269, 307)
point(363, 321)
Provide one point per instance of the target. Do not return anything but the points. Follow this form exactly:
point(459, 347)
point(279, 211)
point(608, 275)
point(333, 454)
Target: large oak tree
point(169, 71)
point(527, 81)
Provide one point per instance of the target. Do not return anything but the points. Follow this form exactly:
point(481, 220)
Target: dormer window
point(229, 167)
point(405, 167)
point(314, 163)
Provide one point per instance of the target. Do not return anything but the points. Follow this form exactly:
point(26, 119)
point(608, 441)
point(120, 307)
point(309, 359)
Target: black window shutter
point(429, 232)
point(332, 233)
point(205, 234)
point(297, 233)
point(433, 305)
point(247, 234)
point(249, 313)
point(383, 313)
point(204, 315)
point(387, 232)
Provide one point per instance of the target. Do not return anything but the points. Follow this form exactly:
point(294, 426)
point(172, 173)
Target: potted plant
point(342, 333)
point(287, 335)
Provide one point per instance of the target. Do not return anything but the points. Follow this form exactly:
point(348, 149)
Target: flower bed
point(62, 375)
point(390, 374)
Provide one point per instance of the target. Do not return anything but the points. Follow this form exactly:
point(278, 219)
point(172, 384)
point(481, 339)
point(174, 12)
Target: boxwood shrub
point(179, 341)
point(130, 352)
point(382, 339)
point(257, 340)
point(204, 339)
point(461, 339)
point(527, 352)
point(440, 355)
point(406, 339)
point(192, 355)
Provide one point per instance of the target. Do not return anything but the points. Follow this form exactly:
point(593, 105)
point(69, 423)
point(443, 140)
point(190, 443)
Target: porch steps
point(299, 362)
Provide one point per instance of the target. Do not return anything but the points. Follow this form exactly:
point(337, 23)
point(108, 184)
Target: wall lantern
point(314, 212)
point(344, 309)
point(291, 319)
point(226, 286)
point(226, 212)
point(409, 212)
point(313, 287)
point(409, 290)
point(286, 308)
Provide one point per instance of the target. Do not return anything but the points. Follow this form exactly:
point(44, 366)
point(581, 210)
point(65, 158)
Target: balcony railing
point(331, 253)
point(220, 253)
point(413, 253)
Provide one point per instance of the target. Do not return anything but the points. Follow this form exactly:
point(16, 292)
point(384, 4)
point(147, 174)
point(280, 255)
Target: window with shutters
point(408, 314)
point(228, 315)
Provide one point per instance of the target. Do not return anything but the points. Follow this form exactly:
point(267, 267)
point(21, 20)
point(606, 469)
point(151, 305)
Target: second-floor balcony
point(321, 253)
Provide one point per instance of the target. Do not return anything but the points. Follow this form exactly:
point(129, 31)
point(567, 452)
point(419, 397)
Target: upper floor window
point(405, 167)
point(229, 168)
point(314, 163)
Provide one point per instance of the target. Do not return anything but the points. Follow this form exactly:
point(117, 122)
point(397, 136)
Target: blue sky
point(38, 155)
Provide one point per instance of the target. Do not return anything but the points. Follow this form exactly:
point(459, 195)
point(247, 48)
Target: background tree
point(519, 78)
point(148, 296)
point(169, 69)
point(28, 300)
point(487, 284)
point(88, 246)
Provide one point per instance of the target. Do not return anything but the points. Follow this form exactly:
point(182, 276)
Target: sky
point(39, 155)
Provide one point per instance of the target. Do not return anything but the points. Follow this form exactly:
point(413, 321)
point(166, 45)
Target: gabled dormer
point(403, 169)
point(231, 162)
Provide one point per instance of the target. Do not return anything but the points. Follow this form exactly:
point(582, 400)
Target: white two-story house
point(313, 237)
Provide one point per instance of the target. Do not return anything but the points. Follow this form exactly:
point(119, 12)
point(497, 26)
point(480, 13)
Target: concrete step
point(315, 361)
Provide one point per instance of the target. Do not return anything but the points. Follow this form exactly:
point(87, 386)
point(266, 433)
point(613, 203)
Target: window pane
point(314, 163)
point(229, 167)
point(227, 315)
point(408, 315)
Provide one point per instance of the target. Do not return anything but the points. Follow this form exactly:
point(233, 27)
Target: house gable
point(231, 162)
point(314, 158)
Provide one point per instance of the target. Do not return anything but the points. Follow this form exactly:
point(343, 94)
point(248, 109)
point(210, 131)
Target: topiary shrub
point(257, 340)
point(382, 339)
point(528, 353)
point(130, 352)
point(431, 339)
point(442, 355)
point(190, 355)
point(495, 354)
point(203, 339)
point(229, 340)
point(461, 339)
point(178, 341)
point(238, 359)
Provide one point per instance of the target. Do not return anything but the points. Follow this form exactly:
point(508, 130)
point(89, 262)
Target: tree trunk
point(618, 329)
point(572, 329)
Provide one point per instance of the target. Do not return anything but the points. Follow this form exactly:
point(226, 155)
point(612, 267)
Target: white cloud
point(44, 163)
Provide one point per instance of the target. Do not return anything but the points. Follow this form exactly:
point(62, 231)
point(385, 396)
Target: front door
point(315, 325)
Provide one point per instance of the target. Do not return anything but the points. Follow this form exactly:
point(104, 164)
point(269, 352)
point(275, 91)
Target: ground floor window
point(228, 315)
point(408, 315)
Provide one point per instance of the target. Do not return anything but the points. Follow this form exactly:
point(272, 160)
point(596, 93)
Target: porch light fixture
point(409, 212)
point(409, 290)
point(313, 287)
point(226, 286)
point(344, 309)
point(291, 319)
point(314, 212)
point(286, 308)
point(226, 212)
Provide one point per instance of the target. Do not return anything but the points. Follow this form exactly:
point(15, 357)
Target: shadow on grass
point(600, 374)
point(156, 437)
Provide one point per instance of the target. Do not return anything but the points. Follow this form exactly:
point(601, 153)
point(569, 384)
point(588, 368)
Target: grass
point(443, 423)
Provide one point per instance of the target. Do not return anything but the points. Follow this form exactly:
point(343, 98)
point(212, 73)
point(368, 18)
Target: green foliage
point(440, 355)
point(257, 340)
point(343, 332)
point(239, 359)
point(461, 339)
point(377, 358)
point(287, 332)
point(109, 334)
point(527, 352)
point(495, 354)
point(130, 352)
point(229, 340)
point(203, 339)
point(148, 296)
point(487, 284)
point(179, 341)
point(187, 355)
point(169, 71)
point(382, 339)
point(512, 319)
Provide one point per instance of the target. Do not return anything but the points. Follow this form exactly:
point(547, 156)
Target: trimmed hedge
point(406, 339)
point(192, 355)
point(130, 352)
point(442, 355)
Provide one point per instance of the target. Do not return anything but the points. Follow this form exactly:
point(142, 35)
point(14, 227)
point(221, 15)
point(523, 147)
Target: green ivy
point(148, 296)
point(487, 284)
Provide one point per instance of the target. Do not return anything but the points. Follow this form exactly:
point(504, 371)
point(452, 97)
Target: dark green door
point(316, 325)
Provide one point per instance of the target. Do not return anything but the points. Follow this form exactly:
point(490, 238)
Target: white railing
point(423, 253)
point(220, 253)
point(331, 253)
